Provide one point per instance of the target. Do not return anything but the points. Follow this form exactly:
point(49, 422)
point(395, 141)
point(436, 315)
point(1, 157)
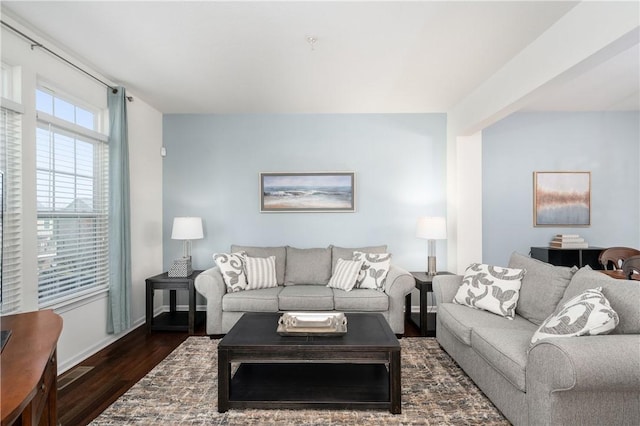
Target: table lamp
point(431, 229)
point(186, 229)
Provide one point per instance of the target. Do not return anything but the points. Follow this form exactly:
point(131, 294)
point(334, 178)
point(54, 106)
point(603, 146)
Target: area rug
point(182, 390)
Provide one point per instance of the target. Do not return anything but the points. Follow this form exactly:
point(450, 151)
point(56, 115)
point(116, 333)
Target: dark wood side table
point(173, 320)
point(425, 320)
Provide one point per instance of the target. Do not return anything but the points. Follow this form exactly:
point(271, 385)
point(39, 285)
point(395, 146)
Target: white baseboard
point(72, 362)
point(431, 309)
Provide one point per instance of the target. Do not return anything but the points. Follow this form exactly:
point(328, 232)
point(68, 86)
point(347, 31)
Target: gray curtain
point(119, 309)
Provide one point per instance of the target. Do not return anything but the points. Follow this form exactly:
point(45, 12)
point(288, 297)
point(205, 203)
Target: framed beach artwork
point(562, 198)
point(308, 192)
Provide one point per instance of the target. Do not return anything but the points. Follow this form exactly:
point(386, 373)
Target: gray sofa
point(589, 380)
point(302, 276)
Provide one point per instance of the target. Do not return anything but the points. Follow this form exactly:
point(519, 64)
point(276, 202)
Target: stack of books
point(568, 241)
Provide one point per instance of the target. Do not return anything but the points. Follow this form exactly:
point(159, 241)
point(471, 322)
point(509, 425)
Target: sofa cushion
point(375, 268)
point(279, 252)
point(347, 253)
point(308, 266)
point(345, 275)
point(305, 298)
point(542, 287)
point(623, 295)
point(263, 300)
point(587, 314)
point(460, 320)
point(261, 272)
point(505, 350)
point(360, 300)
point(492, 288)
point(232, 269)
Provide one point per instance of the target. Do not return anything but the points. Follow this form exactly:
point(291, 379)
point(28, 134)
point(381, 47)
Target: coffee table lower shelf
point(310, 385)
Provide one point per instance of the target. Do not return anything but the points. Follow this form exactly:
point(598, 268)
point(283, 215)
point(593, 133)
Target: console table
point(28, 392)
point(568, 257)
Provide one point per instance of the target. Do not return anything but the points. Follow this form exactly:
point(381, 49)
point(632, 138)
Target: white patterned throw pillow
point(375, 267)
point(491, 288)
point(261, 272)
point(587, 314)
point(345, 275)
point(232, 269)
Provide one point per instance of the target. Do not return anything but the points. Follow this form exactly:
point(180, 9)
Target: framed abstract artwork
point(308, 192)
point(562, 198)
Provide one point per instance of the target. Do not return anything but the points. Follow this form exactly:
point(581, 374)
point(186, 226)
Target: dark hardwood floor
point(118, 367)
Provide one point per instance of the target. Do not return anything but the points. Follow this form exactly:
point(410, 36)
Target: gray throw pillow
point(623, 295)
point(308, 266)
point(542, 287)
point(279, 252)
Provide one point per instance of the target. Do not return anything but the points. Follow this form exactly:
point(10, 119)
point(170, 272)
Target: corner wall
point(604, 143)
point(84, 327)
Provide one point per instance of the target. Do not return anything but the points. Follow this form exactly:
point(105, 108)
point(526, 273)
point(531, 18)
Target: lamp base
point(431, 265)
point(181, 268)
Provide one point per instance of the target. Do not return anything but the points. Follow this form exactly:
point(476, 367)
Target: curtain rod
point(35, 43)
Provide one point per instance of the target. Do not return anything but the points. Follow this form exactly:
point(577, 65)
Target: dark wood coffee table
point(360, 370)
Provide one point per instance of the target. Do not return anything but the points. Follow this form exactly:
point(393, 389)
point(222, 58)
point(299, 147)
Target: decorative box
point(181, 267)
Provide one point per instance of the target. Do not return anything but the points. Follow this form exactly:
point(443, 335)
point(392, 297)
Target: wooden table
point(359, 370)
point(425, 320)
point(173, 320)
point(28, 393)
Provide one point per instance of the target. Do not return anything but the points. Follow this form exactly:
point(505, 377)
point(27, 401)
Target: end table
point(425, 320)
point(172, 320)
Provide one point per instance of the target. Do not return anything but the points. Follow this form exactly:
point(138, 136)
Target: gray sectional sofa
point(588, 380)
point(302, 276)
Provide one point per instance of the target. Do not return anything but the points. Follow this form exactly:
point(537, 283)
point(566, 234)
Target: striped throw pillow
point(261, 272)
point(345, 275)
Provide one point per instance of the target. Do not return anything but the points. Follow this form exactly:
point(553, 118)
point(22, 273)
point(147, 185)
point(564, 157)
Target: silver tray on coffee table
point(312, 324)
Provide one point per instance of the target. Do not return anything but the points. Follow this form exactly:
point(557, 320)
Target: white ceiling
point(253, 57)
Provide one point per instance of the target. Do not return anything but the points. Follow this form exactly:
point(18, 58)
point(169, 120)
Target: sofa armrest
point(584, 380)
point(398, 284)
point(445, 287)
point(211, 285)
point(607, 363)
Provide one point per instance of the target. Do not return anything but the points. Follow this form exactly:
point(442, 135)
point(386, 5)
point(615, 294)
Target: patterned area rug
point(182, 390)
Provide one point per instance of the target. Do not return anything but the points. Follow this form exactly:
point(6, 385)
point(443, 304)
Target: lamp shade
point(432, 228)
point(187, 228)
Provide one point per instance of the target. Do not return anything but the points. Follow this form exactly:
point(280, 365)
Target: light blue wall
point(213, 163)
point(605, 143)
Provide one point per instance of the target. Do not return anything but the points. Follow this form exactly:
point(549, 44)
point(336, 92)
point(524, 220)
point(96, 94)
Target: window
point(72, 196)
point(10, 208)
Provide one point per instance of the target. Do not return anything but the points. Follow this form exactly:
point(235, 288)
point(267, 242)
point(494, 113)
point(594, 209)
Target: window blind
point(72, 197)
point(11, 203)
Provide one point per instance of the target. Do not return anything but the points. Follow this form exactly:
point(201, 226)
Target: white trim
point(12, 105)
point(432, 309)
point(77, 300)
point(72, 127)
point(92, 350)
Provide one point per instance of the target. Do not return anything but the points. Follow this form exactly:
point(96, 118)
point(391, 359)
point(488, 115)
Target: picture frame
point(307, 192)
point(562, 199)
